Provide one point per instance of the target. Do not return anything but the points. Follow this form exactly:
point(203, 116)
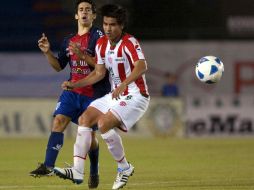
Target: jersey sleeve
point(100, 51)
point(96, 33)
point(133, 49)
point(63, 54)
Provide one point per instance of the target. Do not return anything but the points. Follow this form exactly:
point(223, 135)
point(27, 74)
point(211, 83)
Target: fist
point(67, 85)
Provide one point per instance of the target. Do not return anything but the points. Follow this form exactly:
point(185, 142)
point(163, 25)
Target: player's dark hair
point(115, 11)
point(86, 1)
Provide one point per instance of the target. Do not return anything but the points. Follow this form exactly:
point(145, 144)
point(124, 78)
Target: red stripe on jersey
point(103, 49)
point(141, 85)
point(120, 50)
point(121, 68)
point(129, 45)
point(102, 44)
point(139, 82)
point(122, 75)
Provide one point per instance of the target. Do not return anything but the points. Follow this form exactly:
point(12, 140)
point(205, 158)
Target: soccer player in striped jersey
point(77, 50)
point(119, 53)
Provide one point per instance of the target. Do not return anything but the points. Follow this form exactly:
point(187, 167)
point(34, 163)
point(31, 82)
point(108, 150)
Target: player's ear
point(76, 17)
point(94, 16)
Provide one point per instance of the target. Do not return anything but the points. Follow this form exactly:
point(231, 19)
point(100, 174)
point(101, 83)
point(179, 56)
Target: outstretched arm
point(95, 76)
point(44, 46)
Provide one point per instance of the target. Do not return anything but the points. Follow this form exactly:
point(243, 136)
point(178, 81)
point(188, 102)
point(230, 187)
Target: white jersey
point(119, 61)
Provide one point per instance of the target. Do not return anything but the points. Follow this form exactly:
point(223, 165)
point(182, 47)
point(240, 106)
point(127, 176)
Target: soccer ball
point(209, 69)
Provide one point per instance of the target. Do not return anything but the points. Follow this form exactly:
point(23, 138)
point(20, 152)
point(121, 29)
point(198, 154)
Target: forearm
point(138, 70)
point(92, 78)
point(89, 60)
point(75, 48)
point(53, 61)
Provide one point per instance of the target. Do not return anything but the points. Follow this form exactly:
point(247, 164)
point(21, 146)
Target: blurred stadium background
point(174, 36)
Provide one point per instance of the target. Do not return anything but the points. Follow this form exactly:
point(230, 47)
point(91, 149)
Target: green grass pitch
point(168, 163)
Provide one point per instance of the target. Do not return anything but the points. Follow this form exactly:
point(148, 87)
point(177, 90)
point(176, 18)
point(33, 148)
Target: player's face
point(85, 14)
point(111, 28)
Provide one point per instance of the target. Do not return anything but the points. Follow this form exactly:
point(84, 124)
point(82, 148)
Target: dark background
point(22, 22)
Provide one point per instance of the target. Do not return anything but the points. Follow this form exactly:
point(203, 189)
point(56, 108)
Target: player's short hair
point(86, 1)
point(115, 11)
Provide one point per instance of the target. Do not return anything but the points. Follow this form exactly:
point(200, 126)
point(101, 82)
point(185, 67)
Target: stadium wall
point(21, 73)
point(29, 91)
point(181, 58)
point(21, 117)
point(165, 117)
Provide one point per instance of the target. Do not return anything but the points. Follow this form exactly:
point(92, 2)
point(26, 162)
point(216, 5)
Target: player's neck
point(83, 29)
point(116, 40)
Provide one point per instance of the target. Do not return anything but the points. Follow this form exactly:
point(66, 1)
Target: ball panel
point(214, 69)
point(200, 75)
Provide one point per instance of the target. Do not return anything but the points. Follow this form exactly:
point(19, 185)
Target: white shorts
point(128, 109)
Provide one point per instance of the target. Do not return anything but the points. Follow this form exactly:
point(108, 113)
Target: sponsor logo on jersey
point(80, 71)
point(137, 47)
point(120, 59)
point(99, 32)
point(116, 79)
point(110, 52)
point(79, 63)
point(128, 97)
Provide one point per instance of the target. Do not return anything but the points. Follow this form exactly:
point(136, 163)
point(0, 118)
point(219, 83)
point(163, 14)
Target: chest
point(115, 57)
point(81, 42)
point(78, 66)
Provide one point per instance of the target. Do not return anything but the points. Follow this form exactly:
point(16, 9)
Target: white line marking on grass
point(159, 183)
point(35, 186)
point(73, 186)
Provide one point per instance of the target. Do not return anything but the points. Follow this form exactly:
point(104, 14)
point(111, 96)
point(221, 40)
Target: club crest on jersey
point(110, 60)
point(79, 71)
point(122, 103)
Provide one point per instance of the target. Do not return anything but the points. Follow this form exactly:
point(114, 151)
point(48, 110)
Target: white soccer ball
point(209, 69)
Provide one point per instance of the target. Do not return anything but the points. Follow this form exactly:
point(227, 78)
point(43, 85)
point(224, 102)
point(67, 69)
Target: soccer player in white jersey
point(120, 54)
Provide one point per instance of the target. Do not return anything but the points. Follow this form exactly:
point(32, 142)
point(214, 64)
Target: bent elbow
point(58, 69)
point(145, 69)
point(101, 74)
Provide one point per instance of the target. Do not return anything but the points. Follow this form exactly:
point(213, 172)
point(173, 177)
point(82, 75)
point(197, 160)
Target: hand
point(75, 48)
point(119, 91)
point(67, 85)
point(44, 44)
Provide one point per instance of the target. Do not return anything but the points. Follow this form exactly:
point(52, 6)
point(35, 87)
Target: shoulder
point(102, 40)
point(66, 40)
point(131, 43)
point(97, 32)
point(129, 40)
point(68, 37)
